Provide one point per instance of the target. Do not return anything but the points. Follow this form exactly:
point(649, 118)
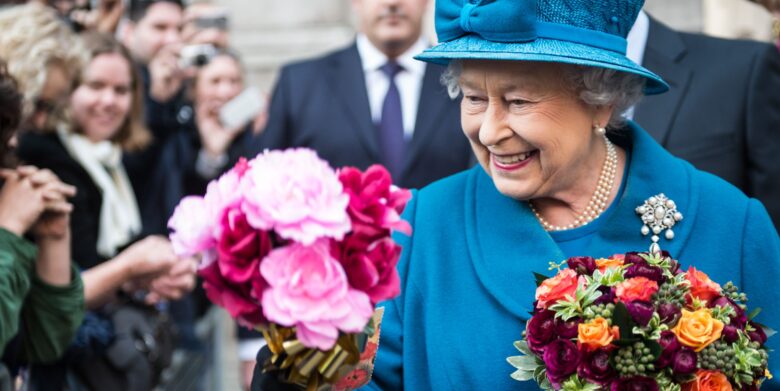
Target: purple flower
point(540, 331)
point(640, 311)
point(635, 383)
point(561, 357)
point(669, 313)
point(633, 258)
point(740, 319)
point(730, 333)
point(669, 346)
point(567, 329)
point(644, 270)
point(607, 295)
point(595, 367)
point(582, 265)
point(758, 335)
point(684, 362)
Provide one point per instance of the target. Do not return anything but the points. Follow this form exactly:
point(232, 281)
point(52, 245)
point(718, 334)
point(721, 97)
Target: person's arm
point(147, 258)
point(763, 132)
point(16, 262)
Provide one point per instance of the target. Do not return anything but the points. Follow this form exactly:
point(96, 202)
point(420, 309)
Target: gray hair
point(595, 86)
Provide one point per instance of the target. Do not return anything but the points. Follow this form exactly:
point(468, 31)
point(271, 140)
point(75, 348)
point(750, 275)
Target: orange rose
point(556, 288)
point(708, 381)
point(637, 288)
point(702, 287)
point(596, 333)
point(606, 263)
point(697, 329)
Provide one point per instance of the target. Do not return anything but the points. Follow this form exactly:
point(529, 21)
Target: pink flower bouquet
point(292, 247)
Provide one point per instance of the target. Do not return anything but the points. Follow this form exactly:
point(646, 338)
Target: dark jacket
point(722, 112)
point(323, 104)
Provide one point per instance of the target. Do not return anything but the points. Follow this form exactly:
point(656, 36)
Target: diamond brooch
point(658, 213)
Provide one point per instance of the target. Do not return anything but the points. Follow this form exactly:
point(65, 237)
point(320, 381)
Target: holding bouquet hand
point(298, 250)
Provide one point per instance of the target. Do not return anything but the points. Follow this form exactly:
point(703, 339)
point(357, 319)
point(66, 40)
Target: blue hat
point(582, 32)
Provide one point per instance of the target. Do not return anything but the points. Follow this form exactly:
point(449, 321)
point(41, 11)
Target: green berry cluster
point(634, 359)
point(603, 310)
point(669, 293)
point(730, 291)
point(718, 356)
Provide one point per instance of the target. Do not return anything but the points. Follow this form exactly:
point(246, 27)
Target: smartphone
point(242, 109)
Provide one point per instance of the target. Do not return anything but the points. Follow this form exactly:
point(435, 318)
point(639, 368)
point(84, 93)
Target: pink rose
point(236, 299)
point(375, 205)
point(191, 225)
point(371, 267)
point(296, 194)
point(309, 290)
point(240, 249)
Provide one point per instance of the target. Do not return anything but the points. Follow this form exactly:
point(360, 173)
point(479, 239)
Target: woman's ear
point(602, 115)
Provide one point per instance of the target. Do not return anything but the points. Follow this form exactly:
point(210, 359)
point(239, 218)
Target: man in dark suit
point(722, 112)
point(338, 104)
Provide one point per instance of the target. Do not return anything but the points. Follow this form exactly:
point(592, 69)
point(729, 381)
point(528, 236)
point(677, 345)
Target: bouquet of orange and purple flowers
point(638, 322)
point(300, 251)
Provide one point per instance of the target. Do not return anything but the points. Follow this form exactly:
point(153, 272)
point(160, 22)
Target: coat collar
point(506, 243)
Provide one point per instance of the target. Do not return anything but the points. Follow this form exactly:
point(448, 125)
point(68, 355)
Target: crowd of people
point(112, 111)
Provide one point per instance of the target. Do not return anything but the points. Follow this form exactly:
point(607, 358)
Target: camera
point(196, 55)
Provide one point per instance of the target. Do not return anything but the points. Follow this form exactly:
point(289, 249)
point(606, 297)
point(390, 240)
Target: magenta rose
point(670, 345)
point(644, 270)
point(640, 311)
point(635, 383)
point(371, 268)
point(308, 289)
point(567, 329)
point(740, 319)
point(758, 334)
point(607, 295)
point(633, 258)
point(595, 367)
point(582, 265)
point(730, 333)
point(684, 362)
point(240, 249)
point(236, 299)
point(540, 331)
point(561, 357)
point(669, 313)
point(375, 205)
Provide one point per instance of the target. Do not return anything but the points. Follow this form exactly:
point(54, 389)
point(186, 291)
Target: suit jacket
point(722, 112)
point(323, 104)
point(467, 286)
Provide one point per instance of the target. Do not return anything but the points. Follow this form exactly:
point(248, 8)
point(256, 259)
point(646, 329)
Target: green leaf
point(526, 363)
point(521, 375)
point(754, 313)
point(623, 321)
point(655, 348)
point(522, 346)
point(540, 278)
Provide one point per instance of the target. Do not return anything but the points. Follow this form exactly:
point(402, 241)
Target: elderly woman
point(544, 87)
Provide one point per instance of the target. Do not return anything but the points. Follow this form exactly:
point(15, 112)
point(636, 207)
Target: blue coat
point(466, 271)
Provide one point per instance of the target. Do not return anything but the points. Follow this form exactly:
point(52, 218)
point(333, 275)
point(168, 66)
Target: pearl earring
point(600, 130)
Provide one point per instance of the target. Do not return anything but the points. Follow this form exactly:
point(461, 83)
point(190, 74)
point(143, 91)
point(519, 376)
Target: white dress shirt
point(637, 42)
point(408, 81)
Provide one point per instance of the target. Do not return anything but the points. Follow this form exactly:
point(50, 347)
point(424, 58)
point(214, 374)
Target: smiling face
point(102, 103)
point(530, 133)
point(392, 26)
point(218, 82)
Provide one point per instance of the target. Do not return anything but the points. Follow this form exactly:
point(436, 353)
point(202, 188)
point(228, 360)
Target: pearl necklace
point(598, 203)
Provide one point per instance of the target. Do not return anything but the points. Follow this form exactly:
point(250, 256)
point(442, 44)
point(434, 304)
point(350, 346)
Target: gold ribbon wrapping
point(310, 368)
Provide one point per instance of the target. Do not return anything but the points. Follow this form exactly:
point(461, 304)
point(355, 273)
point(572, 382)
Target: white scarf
point(120, 220)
